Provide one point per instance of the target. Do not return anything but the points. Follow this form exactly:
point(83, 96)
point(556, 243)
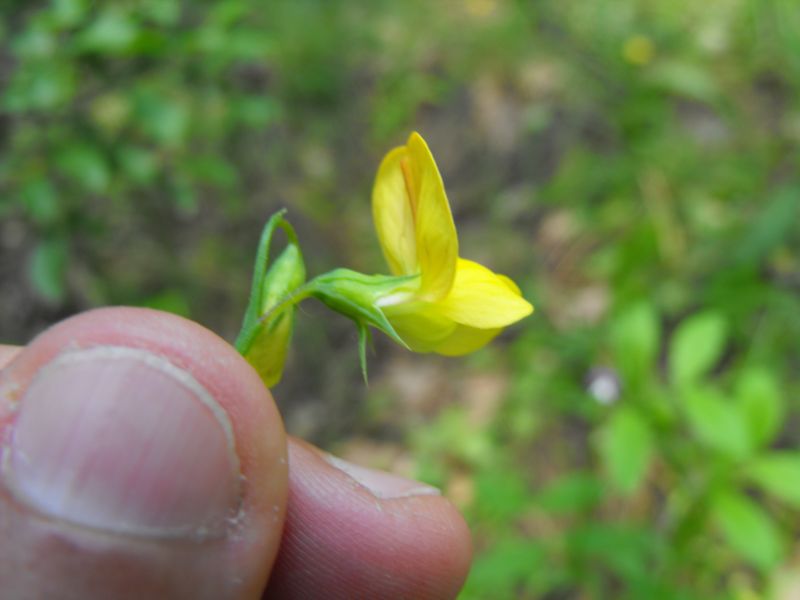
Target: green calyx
point(358, 297)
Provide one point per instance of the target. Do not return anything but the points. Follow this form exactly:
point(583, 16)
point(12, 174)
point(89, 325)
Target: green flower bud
point(285, 275)
point(269, 319)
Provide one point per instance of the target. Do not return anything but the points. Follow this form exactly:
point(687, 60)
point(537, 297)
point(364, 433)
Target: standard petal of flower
point(436, 239)
point(481, 299)
point(465, 339)
point(419, 324)
point(393, 214)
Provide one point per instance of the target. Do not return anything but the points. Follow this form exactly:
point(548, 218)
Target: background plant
point(633, 164)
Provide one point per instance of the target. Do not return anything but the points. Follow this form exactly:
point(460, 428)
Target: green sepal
point(364, 336)
point(269, 318)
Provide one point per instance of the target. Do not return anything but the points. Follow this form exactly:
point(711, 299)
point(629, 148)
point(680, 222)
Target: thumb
point(141, 457)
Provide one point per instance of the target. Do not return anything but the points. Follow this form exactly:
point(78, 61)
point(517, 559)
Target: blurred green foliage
point(632, 163)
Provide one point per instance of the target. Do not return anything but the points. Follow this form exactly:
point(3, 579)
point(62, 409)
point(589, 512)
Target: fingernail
point(122, 440)
point(382, 485)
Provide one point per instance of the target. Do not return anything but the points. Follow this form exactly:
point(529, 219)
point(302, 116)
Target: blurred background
point(632, 164)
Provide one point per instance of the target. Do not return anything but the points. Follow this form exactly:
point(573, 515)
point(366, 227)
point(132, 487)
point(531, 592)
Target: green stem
point(299, 294)
point(295, 297)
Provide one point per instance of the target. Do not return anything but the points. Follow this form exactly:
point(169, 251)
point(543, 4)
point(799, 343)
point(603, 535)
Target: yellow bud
point(638, 50)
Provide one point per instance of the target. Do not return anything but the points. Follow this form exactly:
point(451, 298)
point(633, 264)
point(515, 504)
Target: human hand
point(142, 457)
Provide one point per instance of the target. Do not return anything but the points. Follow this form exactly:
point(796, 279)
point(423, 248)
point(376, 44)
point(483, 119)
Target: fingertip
point(150, 400)
point(366, 537)
point(189, 346)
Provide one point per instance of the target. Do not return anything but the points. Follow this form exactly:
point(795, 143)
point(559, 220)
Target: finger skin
point(7, 353)
point(341, 539)
point(45, 557)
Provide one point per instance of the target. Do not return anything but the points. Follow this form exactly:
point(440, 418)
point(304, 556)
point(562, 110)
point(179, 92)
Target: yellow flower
point(456, 305)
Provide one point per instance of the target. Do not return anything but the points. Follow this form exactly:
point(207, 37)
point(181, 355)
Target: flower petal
point(436, 239)
point(481, 299)
point(464, 339)
point(393, 215)
point(419, 324)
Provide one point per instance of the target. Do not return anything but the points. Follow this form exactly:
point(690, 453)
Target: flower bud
point(269, 319)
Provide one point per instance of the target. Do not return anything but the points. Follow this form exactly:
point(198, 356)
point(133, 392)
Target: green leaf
point(163, 116)
point(716, 422)
point(35, 43)
point(257, 111)
point(164, 12)
point(86, 165)
point(626, 447)
point(212, 169)
point(44, 86)
point(139, 164)
point(778, 474)
point(621, 548)
point(501, 494)
point(696, 346)
point(761, 403)
point(47, 269)
point(112, 32)
point(772, 224)
point(68, 13)
point(635, 338)
point(684, 79)
point(184, 194)
point(572, 492)
point(506, 568)
point(748, 529)
point(42, 201)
